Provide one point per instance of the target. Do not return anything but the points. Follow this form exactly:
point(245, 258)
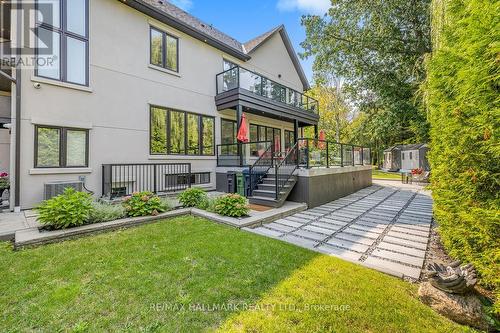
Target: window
point(260, 133)
point(402, 156)
point(289, 139)
point(164, 50)
point(411, 155)
point(227, 65)
point(228, 131)
point(178, 132)
point(197, 178)
point(60, 147)
point(62, 27)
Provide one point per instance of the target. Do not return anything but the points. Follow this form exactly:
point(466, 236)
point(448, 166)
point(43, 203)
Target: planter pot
point(2, 190)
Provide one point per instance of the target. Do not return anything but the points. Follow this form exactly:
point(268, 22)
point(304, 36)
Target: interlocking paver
point(385, 227)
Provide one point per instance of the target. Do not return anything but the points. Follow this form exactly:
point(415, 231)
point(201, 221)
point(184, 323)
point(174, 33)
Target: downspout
point(17, 166)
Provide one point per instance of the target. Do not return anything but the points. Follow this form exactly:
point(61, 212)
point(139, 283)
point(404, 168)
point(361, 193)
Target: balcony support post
point(316, 132)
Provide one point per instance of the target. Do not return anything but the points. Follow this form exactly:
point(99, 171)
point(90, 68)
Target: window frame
point(63, 35)
point(164, 48)
point(63, 147)
point(168, 134)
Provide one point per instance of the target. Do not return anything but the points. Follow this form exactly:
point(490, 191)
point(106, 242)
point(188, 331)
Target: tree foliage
point(378, 48)
point(463, 95)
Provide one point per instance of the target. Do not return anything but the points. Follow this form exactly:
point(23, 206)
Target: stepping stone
point(301, 216)
point(412, 238)
point(398, 268)
point(320, 230)
point(307, 212)
point(409, 231)
point(362, 227)
point(338, 252)
point(402, 249)
point(279, 227)
point(413, 227)
point(330, 226)
point(299, 219)
point(289, 223)
point(299, 241)
point(334, 217)
point(345, 244)
point(356, 239)
point(362, 233)
point(265, 232)
point(330, 221)
point(405, 242)
point(405, 259)
point(309, 234)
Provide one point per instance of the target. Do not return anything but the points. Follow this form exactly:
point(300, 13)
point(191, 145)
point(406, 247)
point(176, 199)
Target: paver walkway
point(385, 226)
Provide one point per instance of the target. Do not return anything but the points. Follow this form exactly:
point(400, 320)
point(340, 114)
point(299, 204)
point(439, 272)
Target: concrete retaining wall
point(316, 187)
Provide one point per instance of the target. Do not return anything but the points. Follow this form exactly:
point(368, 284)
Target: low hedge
point(463, 89)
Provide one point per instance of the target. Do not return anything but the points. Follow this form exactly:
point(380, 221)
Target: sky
point(247, 19)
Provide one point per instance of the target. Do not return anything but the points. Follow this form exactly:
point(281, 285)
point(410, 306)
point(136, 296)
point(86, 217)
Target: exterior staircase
point(265, 193)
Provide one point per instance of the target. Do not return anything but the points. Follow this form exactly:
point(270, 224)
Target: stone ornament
point(453, 278)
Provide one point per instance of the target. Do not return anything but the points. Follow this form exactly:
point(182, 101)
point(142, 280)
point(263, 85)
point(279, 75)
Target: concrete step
point(263, 201)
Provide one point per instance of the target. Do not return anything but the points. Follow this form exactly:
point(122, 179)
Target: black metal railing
point(260, 168)
point(120, 180)
point(285, 169)
point(240, 154)
point(239, 77)
point(322, 153)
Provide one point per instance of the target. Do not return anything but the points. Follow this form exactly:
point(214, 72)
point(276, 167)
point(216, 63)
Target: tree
point(334, 109)
point(378, 48)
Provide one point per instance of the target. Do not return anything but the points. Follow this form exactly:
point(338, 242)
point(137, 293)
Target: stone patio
point(385, 227)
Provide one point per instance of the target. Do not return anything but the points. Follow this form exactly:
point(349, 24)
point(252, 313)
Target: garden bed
point(40, 236)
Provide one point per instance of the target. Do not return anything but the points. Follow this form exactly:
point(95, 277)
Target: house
point(140, 95)
point(406, 157)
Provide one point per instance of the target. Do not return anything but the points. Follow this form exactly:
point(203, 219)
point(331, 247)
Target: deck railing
point(285, 169)
point(120, 180)
point(239, 77)
point(323, 153)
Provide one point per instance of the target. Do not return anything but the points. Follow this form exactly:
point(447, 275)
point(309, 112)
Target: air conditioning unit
point(53, 189)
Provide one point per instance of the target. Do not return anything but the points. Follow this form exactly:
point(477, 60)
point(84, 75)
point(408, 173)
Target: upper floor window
point(65, 24)
point(228, 64)
point(164, 50)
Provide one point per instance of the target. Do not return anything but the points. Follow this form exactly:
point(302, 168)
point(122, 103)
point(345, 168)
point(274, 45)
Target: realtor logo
point(27, 33)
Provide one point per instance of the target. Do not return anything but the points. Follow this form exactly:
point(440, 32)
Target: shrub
point(233, 205)
point(143, 204)
point(70, 209)
point(462, 88)
point(103, 212)
point(193, 197)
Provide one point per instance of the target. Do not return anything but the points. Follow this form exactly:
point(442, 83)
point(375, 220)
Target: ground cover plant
point(163, 277)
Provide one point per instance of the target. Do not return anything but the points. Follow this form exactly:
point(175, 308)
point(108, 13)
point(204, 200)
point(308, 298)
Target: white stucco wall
point(122, 85)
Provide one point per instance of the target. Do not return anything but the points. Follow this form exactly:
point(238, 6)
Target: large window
point(164, 50)
point(178, 132)
point(63, 45)
point(289, 139)
point(263, 133)
point(60, 147)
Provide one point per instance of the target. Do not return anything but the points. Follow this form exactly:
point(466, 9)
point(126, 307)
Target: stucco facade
point(122, 86)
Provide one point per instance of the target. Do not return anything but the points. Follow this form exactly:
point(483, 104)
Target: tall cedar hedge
point(463, 95)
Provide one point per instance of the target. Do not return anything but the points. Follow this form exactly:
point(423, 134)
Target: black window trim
point(63, 34)
point(164, 48)
point(63, 147)
point(200, 132)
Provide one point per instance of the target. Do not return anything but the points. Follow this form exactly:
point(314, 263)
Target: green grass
point(125, 281)
point(379, 174)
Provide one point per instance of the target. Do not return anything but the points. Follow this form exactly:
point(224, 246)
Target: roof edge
point(181, 26)
point(291, 52)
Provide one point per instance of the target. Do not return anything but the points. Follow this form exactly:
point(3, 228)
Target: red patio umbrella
point(322, 138)
point(277, 144)
point(243, 130)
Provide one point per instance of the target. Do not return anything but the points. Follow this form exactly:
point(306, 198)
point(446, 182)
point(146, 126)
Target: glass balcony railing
point(238, 77)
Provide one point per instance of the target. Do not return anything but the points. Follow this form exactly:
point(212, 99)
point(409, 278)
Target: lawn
point(379, 174)
point(172, 276)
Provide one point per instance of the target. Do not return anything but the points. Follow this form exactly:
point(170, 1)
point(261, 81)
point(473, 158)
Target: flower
point(4, 174)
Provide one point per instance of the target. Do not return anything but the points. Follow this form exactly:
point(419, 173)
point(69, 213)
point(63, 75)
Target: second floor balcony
point(241, 79)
